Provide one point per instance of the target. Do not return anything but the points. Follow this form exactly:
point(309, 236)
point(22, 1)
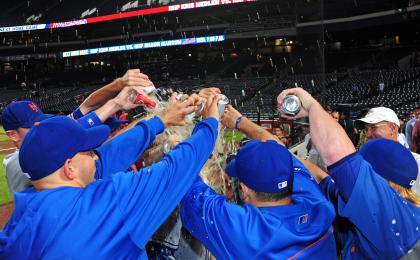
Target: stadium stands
point(251, 67)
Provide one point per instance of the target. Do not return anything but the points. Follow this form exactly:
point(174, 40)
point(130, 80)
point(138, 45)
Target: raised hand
point(305, 98)
point(207, 92)
point(123, 98)
point(177, 109)
point(230, 116)
point(134, 78)
point(211, 109)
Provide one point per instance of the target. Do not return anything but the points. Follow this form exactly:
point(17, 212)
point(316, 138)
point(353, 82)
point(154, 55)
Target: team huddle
point(78, 194)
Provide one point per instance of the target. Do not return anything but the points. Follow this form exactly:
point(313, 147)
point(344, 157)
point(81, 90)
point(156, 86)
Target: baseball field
point(5, 148)
point(6, 205)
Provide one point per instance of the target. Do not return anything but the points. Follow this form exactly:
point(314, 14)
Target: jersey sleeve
point(122, 151)
point(148, 197)
point(345, 180)
point(385, 223)
point(329, 189)
point(304, 185)
point(214, 221)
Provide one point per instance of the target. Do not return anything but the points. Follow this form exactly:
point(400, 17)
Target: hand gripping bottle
point(138, 98)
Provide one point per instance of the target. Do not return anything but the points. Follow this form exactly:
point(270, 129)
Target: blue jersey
point(108, 219)
point(124, 150)
point(230, 231)
point(18, 181)
point(374, 222)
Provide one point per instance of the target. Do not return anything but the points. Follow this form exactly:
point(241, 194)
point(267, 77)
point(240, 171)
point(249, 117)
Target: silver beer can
point(222, 104)
point(291, 105)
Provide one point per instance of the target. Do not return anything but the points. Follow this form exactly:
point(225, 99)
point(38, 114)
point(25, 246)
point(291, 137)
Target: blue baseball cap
point(49, 143)
point(391, 160)
point(22, 114)
point(264, 166)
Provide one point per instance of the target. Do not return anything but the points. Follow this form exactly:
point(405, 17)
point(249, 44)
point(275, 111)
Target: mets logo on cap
point(33, 107)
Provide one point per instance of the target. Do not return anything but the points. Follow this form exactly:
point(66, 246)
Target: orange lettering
point(34, 107)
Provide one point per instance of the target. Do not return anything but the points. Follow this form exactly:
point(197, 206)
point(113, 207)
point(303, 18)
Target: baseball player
point(379, 223)
point(285, 215)
point(19, 116)
point(383, 122)
point(66, 215)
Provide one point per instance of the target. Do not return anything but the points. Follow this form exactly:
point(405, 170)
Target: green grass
point(5, 196)
point(233, 136)
point(3, 136)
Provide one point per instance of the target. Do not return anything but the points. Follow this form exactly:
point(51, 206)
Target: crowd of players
point(78, 193)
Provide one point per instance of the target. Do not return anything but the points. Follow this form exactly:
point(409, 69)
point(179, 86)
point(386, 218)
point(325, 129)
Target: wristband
point(89, 120)
point(238, 120)
point(76, 114)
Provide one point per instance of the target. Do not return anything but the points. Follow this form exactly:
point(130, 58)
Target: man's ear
point(13, 135)
point(245, 190)
point(394, 128)
point(68, 169)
